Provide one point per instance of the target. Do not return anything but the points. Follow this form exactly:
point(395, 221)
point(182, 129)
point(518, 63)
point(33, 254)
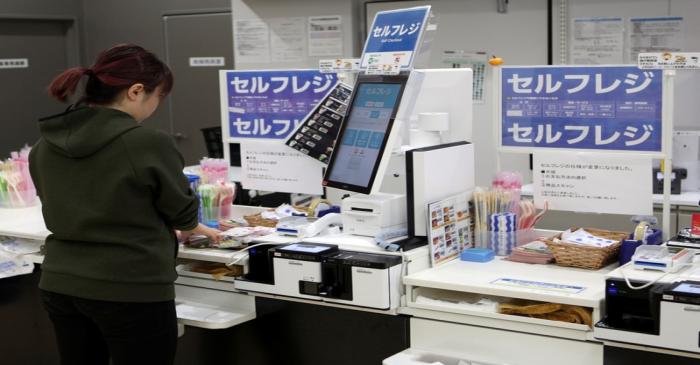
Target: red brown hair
point(115, 69)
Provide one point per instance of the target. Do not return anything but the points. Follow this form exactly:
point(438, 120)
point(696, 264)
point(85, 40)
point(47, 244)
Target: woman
point(113, 194)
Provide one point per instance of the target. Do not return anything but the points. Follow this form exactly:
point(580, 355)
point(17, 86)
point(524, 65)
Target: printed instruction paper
point(593, 182)
point(251, 43)
point(325, 35)
point(659, 34)
point(272, 166)
point(287, 39)
point(597, 41)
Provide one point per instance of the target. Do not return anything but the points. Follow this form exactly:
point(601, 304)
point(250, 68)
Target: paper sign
point(272, 166)
point(269, 104)
point(395, 36)
point(287, 39)
point(597, 41)
point(477, 62)
point(539, 286)
point(669, 60)
point(339, 65)
point(449, 223)
point(659, 34)
point(14, 63)
point(383, 69)
point(251, 43)
point(596, 183)
point(613, 108)
point(207, 61)
point(316, 135)
point(325, 35)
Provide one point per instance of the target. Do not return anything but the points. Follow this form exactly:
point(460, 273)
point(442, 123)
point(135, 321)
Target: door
point(194, 102)
point(39, 50)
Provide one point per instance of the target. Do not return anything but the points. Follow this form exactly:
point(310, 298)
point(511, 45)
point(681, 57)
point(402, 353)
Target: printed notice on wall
point(272, 166)
point(287, 39)
point(474, 60)
point(325, 35)
point(597, 41)
point(251, 43)
point(660, 34)
point(597, 183)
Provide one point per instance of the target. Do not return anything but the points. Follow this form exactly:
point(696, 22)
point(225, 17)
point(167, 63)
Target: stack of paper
point(582, 237)
point(535, 252)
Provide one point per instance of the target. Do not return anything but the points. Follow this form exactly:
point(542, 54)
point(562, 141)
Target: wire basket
point(586, 257)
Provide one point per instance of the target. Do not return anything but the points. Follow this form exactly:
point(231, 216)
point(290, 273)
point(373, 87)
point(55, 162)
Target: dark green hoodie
point(112, 194)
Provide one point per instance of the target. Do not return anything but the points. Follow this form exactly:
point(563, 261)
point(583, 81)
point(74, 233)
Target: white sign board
point(670, 60)
point(272, 166)
point(596, 183)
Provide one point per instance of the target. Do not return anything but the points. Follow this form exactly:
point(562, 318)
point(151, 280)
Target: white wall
point(266, 9)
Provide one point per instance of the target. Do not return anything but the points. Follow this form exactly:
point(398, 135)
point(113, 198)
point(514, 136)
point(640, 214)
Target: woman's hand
point(211, 233)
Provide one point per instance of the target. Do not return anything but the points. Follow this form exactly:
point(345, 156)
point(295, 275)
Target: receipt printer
point(368, 215)
point(663, 315)
point(325, 273)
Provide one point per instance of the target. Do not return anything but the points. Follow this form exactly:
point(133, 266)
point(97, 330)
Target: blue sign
point(271, 104)
point(596, 108)
point(395, 36)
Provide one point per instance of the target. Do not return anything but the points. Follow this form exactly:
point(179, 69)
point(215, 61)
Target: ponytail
point(65, 84)
point(116, 69)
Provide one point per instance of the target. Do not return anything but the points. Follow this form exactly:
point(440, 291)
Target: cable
point(629, 285)
point(239, 252)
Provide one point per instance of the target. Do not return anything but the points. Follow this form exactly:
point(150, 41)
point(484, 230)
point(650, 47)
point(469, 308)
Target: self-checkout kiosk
point(373, 165)
point(382, 110)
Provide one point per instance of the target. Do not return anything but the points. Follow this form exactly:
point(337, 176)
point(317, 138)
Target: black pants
point(90, 332)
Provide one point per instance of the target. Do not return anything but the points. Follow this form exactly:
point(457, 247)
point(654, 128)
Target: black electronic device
point(677, 175)
point(337, 273)
point(363, 139)
point(684, 292)
point(685, 239)
point(632, 310)
point(305, 251)
point(260, 264)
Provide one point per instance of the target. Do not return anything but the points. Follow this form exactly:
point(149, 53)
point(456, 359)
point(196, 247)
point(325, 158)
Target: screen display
point(364, 132)
point(687, 288)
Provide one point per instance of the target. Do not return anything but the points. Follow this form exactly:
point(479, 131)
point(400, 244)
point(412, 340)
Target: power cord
point(241, 254)
point(627, 280)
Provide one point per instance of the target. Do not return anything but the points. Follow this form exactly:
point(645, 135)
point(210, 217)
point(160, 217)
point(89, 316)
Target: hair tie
point(89, 72)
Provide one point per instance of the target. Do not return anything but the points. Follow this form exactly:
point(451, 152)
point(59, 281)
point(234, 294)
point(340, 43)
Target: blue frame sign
point(610, 108)
point(269, 104)
point(395, 36)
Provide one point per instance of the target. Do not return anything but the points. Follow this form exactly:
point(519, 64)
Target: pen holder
point(211, 216)
point(629, 246)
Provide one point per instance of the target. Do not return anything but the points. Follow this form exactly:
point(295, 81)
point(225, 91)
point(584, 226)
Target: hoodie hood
point(83, 130)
